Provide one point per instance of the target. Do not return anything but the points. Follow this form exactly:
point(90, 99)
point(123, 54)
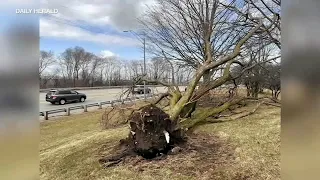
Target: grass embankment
point(247, 148)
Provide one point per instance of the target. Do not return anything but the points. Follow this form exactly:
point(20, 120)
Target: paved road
point(93, 96)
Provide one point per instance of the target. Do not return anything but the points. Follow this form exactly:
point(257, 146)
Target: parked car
point(64, 96)
point(140, 90)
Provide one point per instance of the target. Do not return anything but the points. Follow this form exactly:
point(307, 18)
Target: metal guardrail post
point(100, 105)
point(85, 108)
point(68, 111)
point(112, 104)
point(46, 115)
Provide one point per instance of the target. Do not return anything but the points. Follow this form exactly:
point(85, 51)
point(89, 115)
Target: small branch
point(170, 87)
point(162, 96)
point(172, 70)
point(236, 50)
point(272, 104)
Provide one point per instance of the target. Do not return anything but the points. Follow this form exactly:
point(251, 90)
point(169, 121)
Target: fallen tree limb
point(265, 97)
point(237, 117)
point(272, 104)
point(275, 100)
point(228, 115)
point(203, 114)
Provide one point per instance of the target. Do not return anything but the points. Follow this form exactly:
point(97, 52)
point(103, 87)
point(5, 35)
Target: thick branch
point(161, 97)
point(242, 115)
point(236, 50)
point(226, 76)
point(203, 114)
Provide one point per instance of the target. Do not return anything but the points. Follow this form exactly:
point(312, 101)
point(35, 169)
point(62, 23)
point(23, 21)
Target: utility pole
point(144, 68)
point(144, 62)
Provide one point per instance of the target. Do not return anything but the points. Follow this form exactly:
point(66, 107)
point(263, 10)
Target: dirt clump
point(152, 134)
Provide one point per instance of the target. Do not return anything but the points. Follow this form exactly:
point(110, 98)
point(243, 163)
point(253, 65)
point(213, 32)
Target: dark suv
point(63, 96)
point(140, 90)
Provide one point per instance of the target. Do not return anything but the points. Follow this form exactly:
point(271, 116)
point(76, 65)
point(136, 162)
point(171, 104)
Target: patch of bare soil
point(202, 156)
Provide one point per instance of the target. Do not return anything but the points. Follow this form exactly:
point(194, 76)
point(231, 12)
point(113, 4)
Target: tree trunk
point(188, 110)
point(206, 79)
point(255, 90)
point(248, 91)
point(74, 82)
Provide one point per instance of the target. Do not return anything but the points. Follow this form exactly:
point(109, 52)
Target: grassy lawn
point(247, 148)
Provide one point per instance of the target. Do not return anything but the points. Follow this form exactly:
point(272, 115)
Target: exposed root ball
point(151, 134)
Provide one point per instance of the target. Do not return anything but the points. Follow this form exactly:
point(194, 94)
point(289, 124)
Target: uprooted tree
point(206, 35)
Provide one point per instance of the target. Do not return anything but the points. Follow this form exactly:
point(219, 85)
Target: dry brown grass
point(247, 148)
point(256, 139)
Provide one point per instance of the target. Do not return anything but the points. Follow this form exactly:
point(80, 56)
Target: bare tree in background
point(46, 60)
point(273, 79)
point(255, 79)
point(86, 65)
point(75, 62)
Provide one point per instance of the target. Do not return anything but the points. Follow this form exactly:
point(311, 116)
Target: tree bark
point(206, 79)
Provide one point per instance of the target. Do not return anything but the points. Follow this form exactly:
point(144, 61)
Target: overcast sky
point(96, 25)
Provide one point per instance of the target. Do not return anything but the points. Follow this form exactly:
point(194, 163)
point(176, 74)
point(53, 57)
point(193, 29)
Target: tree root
point(120, 151)
point(116, 159)
point(109, 115)
point(107, 164)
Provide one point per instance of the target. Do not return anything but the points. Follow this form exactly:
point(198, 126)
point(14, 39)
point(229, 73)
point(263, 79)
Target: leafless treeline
point(198, 41)
point(76, 67)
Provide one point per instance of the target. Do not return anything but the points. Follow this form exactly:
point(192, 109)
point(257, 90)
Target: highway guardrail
point(98, 87)
point(85, 107)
